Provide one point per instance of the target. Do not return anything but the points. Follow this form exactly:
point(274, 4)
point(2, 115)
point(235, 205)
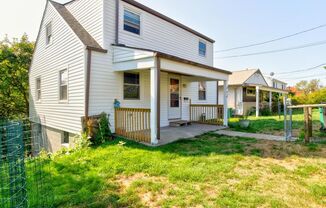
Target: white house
point(89, 53)
point(250, 88)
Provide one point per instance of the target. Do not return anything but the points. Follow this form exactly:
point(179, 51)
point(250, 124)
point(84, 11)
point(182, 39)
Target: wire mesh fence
point(24, 176)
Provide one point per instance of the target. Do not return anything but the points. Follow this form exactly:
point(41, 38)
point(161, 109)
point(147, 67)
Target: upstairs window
point(202, 48)
point(274, 85)
point(38, 89)
point(131, 22)
point(64, 85)
point(48, 33)
point(202, 90)
point(131, 86)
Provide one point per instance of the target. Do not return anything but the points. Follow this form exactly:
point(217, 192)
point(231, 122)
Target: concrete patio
point(172, 134)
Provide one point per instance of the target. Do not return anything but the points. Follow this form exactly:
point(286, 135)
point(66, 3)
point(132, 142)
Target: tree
point(309, 87)
point(15, 60)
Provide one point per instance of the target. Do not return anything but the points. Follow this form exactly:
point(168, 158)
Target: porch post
point(270, 100)
point(225, 100)
point(257, 101)
point(155, 102)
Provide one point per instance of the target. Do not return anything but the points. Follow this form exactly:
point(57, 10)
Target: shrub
point(265, 111)
point(104, 132)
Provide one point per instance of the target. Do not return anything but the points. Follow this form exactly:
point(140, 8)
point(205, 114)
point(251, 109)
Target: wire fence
point(24, 174)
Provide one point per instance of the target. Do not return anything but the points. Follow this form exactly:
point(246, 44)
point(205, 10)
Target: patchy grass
point(212, 171)
point(275, 124)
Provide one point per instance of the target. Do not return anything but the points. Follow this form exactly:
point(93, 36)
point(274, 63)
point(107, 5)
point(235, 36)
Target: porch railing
point(206, 114)
point(133, 123)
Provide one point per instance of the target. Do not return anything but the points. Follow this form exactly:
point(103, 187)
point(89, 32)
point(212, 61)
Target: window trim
point(199, 51)
point(66, 100)
point(140, 23)
point(123, 86)
point(202, 90)
point(47, 41)
point(38, 99)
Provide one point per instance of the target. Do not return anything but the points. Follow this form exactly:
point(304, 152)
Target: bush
point(266, 111)
point(104, 132)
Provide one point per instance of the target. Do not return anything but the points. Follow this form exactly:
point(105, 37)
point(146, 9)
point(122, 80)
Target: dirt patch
point(151, 190)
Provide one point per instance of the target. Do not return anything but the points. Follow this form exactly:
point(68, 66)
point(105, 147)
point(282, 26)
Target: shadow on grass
point(211, 143)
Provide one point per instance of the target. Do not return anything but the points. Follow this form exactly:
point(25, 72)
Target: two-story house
point(90, 53)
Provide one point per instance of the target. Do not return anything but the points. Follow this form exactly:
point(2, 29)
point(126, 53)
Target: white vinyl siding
point(159, 35)
point(89, 14)
point(66, 51)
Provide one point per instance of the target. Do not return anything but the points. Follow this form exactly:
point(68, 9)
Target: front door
point(174, 98)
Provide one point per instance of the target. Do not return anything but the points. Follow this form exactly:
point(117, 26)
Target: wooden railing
point(133, 123)
point(206, 114)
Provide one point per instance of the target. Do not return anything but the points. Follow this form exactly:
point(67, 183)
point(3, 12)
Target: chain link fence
point(24, 173)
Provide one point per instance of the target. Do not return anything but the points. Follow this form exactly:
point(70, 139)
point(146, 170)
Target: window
point(65, 138)
point(48, 33)
point(202, 48)
point(131, 87)
point(202, 90)
point(131, 22)
point(38, 89)
point(64, 84)
point(274, 85)
point(251, 92)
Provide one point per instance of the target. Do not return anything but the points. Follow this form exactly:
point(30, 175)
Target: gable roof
point(240, 77)
point(164, 17)
point(77, 28)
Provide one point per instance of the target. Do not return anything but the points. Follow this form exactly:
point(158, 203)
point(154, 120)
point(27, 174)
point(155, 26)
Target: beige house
point(250, 89)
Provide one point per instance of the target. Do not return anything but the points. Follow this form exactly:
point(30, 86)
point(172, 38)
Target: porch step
point(179, 123)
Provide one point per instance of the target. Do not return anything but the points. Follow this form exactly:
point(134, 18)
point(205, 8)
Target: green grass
point(275, 124)
point(211, 171)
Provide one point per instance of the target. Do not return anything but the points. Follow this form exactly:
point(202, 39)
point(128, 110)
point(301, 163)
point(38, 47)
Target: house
point(251, 89)
point(90, 53)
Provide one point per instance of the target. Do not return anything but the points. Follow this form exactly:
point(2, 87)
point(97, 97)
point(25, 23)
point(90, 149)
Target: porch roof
point(267, 88)
point(128, 53)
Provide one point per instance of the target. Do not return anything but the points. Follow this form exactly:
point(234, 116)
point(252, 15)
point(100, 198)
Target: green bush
point(265, 112)
point(104, 132)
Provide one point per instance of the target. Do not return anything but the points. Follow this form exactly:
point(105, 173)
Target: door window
point(174, 93)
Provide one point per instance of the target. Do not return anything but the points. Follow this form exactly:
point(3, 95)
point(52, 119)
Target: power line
point(273, 40)
point(275, 51)
point(307, 77)
point(303, 70)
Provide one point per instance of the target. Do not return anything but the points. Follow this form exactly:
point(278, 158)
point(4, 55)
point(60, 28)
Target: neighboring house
point(89, 53)
point(250, 89)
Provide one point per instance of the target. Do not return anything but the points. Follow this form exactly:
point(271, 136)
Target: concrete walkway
point(250, 135)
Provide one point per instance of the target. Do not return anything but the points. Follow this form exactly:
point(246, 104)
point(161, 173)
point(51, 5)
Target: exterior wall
point(278, 84)
point(48, 61)
point(90, 15)
point(160, 35)
point(235, 98)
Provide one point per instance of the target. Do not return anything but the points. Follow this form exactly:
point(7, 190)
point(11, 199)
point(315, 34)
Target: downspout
point(88, 81)
point(117, 8)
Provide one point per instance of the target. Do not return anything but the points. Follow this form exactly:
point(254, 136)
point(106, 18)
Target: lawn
point(275, 125)
point(211, 171)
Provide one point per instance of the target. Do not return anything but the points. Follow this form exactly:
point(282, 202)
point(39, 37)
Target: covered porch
point(262, 97)
point(168, 93)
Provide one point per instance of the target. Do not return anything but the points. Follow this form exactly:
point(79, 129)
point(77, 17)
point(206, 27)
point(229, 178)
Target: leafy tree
point(15, 60)
point(309, 87)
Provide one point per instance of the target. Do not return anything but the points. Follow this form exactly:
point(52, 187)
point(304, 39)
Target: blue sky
point(230, 22)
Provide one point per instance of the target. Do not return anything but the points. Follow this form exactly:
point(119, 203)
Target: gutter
point(88, 81)
point(117, 8)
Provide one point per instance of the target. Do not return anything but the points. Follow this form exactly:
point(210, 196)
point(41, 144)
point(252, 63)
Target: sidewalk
point(250, 135)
